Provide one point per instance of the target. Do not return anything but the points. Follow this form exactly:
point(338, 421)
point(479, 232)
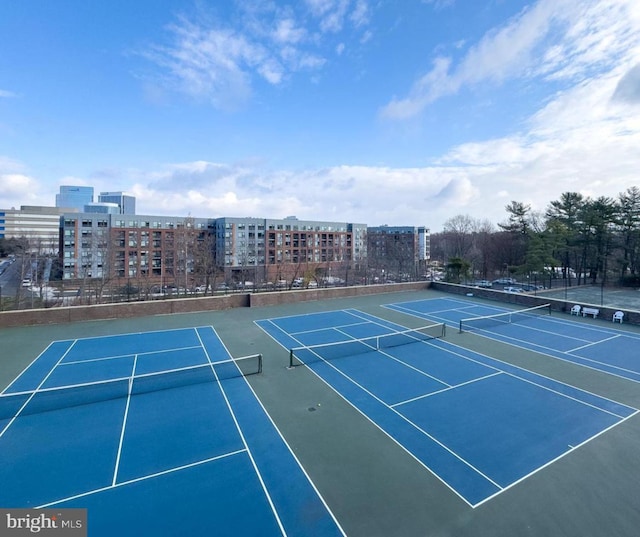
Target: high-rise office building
point(74, 197)
point(126, 202)
point(102, 208)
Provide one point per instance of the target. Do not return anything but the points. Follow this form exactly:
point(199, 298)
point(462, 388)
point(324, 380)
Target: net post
point(259, 363)
point(290, 358)
point(460, 327)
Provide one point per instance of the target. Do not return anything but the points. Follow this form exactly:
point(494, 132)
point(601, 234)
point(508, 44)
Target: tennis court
point(479, 424)
point(156, 433)
point(591, 344)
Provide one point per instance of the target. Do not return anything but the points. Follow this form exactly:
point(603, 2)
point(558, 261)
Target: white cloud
point(10, 165)
point(553, 40)
point(73, 180)
point(360, 14)
point(628, 88)
point(427, 89)
point(366, 36)
point(7, 94)
point(208, 63)
point(218, 62)
point(18, 189)
point(439, 4)
point(366, 194)
point(585, 135)
point(288, 32)
point(580, 140)
point(577, 142)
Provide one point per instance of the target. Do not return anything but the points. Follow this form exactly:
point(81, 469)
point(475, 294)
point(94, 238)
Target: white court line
point(327, 328)
point(284, 441)
point(143, 478)
point(442, 343)
point(312, 314)
point(118, 356)
point(435, 312)
point(25, 369)
point(501, 489)
point(597, 396)
point(446, 448)
point(414, 368)
point(448, 344)
point(124, 420)
point(571, 449)
point(244, 441)
point(548, 351)
point(125, 334)
point(370, 420)
point(449, 388)
point(580, 401)
point(467, 303)
point(592, 344)
point(35, 391)
point(563, 323)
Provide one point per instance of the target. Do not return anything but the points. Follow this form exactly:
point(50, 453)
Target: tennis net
point(341, 349)
point(488, 321)
point(46, 399)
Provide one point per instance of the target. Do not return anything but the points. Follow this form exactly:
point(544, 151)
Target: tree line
point(582, 239)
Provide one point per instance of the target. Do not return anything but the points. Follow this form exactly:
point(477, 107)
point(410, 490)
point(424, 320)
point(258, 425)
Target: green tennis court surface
point(542, 445)
point(480, 425)
point(139, 425)
point(598, 346)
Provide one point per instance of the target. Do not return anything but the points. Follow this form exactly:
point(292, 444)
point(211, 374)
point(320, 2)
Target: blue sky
point(370, 111)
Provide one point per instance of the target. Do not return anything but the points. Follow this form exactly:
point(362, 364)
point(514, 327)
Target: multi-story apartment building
point(269, 250)
point(175, 251)
point(398, 251)
point(146, 249)
point(108, 241)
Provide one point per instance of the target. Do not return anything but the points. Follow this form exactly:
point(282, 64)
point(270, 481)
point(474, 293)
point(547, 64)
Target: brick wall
point(73, 314)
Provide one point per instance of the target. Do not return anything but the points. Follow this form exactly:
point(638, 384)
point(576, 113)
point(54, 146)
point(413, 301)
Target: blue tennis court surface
point(479, 424)
point(167, 439)
point(593, 346)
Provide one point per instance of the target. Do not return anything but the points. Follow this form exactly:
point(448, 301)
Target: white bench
point(590, 311)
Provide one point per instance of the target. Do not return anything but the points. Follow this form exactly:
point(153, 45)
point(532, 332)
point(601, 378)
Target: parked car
point(532, 287)
point(483, 283)
point(505, 281)
point(202, 288)
point(513, 290)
